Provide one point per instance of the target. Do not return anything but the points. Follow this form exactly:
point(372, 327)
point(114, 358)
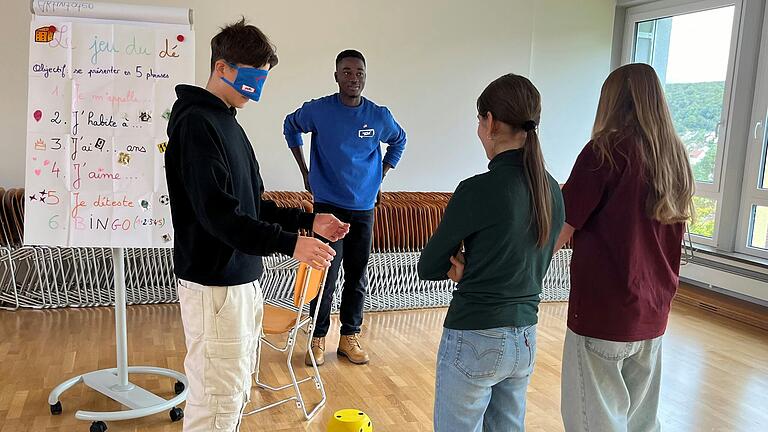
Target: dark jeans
point(352, 252)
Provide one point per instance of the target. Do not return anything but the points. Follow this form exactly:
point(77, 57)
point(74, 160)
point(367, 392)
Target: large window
point(691, 51)
point(712, 58)
point(719, 105)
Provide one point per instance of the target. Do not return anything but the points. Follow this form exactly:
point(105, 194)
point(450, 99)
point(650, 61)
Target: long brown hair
point(632, 103)
point(515, 101)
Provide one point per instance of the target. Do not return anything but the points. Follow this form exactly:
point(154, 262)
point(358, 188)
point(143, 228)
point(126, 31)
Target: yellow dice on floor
point(350, 420)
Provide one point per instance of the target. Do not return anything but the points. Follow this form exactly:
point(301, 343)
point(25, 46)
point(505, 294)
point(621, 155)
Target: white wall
point(428, 62)
point(571, 58)
point(14, 30)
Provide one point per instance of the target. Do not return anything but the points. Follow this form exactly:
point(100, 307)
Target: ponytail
point(538, 184)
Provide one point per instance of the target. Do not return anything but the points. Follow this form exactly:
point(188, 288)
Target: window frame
point(756, 153)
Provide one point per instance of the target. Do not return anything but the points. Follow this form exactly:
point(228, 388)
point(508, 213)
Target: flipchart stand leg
point(114, 382)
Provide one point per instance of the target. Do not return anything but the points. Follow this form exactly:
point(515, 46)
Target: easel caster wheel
point(176, 414)
point(178, 387)
point(98, 426)
point(56, 409)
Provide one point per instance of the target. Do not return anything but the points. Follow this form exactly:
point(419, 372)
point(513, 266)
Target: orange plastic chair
point(279, 320)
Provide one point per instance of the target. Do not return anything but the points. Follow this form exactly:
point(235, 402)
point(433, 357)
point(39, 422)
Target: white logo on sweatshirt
point(365, 132)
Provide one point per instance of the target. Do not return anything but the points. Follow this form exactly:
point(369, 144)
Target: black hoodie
point(222, 226)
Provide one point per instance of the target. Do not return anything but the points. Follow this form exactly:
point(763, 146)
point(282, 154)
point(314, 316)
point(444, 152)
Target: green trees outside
point(696, 109)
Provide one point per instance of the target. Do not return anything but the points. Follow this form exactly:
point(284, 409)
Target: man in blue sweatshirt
point(345, 178)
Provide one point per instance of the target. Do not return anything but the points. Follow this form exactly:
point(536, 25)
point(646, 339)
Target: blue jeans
point(482, 377)
point(610, 386)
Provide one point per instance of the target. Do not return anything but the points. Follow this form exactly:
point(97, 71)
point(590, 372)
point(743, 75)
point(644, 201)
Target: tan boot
point(349, 347)
point(318, 349)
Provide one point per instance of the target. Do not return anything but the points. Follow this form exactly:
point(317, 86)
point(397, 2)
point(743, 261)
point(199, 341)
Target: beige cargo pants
point(222, 327)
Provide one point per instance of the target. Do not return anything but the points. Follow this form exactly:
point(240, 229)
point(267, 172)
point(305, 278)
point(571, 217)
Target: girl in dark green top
point(507, 220)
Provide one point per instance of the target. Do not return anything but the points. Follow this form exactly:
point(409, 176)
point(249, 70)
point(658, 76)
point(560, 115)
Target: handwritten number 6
point(52, 224)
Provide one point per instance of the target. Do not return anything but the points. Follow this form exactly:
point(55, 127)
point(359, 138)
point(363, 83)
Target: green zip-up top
point(491, 213)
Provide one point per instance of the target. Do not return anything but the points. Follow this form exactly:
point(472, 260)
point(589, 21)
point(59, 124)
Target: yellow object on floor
point(350, 420)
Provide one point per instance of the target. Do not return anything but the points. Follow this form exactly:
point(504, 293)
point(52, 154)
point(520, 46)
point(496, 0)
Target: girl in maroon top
point(626, 204)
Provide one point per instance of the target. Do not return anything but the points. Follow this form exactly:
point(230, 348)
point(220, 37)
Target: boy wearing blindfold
point(223, 227)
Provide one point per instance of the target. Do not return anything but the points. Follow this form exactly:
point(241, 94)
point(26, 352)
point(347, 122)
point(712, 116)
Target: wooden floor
point(715, 371)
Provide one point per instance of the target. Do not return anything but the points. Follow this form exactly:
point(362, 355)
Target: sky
point(699, 46)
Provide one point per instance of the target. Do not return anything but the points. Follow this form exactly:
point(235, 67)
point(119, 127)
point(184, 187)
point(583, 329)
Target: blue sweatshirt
point(346, 161)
